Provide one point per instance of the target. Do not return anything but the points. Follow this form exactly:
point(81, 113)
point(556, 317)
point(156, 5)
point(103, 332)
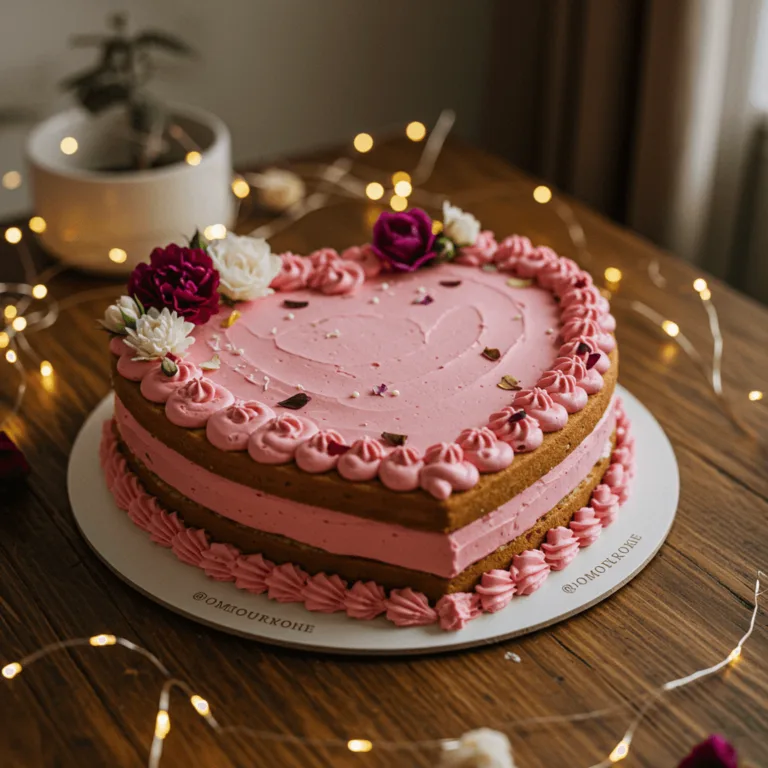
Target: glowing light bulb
point(37, 224)
point(620, 751)
point(39, 291)
point(241, 188)
point(734, 654)
point(100, 640)
point(11, 670)
point(46, 369)
point(374, 191)
point(162, 724)
point(398, 203)
point(5, 339)
point(403, 188)
point(415, 131)
point(359, 745)
point(68, 145)
point(363, 142)
point(200, 704)
point(699, 284)
point(12, 180)
point(13, 235)
point(437, 227)
point(613, 274)
point(193, 158)
point(215, 232)
point(755, 395)
point(670, 328)
point(11, 356)
point(19, 323)
point(706, 294)
point(400, 176)
point(118, 255)
point(10, 312)
point(542, 194)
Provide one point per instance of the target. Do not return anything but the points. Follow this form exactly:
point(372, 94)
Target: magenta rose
point(404, 241)
point(715, 752)
point(182, 279)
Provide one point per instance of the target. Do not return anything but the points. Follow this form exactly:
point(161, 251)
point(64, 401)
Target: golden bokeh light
point(398, 203)
point(374, 191)
point(359, 745)
point(11, 356)
point(13, 235)
point(613, 274)
point(19, 324)
point(755, 395)
point(46, 369)
point(11, 179)
point(403, 188)
point(68, 145)
point(10, 312)
point(193, 158)
point(118, 255)
point(37, 224)
point(5, 339)
point(699, 284)
point(542, 194)
point(415, 131)
point(11, 670)
point(215, 232)
point(39, 291)
point(401, 176)
point(363, 142)
point(200, 704)
point(240, 188)
point(670, 328)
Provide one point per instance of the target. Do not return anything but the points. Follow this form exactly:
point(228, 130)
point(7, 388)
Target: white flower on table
point(246, 266)
point(463, 228)
point(483, 748)
point(159, 333)
point(121, 315)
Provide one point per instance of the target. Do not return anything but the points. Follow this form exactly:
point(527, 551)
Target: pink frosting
point(286, 583)
point(482, 449)
point(588, 296)
point(361, 462)
point(218, 561)
point(141, 509)
point(563, 389)
point(589, 380)
point(625, 456)
point(337, 277)
point(400, 469)
point(457, 610)
point(527, 265)
point(134, 370)
point(480, 253)
point(617, 478)
point(585, 526)
point(571, 349)
point(539, 404)
point(365, 257)
point(605, 504)
point(496, 589)
point(163, 528)
point(189, 544)
point(192, 404)
point(510, 250)
point(117, 346)
point(316, 454)
point(365, 600)
point(553, 271)
point(325, 594)
point(407, 608)
point(294, 273)
point(125, 488)
point(532, 571)
point(251, 573)
point(323, 257)
point(230, 428)
point(579, 326)
point(157, 387)
point(524, 435)
point(276, 441)
point(445, 470)
point(605, 320)
point(560, 548)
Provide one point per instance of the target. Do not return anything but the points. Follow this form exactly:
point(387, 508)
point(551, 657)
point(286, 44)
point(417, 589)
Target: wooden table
point(684, 612)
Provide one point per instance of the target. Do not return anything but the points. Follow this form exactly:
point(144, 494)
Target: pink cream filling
point(444, 555)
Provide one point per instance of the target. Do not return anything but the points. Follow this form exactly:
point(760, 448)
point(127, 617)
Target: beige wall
point(284, 74)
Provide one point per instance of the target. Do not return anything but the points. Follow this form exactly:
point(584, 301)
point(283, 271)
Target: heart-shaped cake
point(420, 428)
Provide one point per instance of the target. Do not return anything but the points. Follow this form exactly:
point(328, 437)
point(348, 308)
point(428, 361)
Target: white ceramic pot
point(89, 212)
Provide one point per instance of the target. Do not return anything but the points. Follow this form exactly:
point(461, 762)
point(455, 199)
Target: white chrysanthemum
point(463, 228)
point(123, 313)
point(483, 748)
point(246, 266)
point(159, 333)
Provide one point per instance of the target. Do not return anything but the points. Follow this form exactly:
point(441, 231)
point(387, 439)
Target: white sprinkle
point(215, 336)
point(510, 656)
point(355, 394)
point(290, 316)
point(421, 289)
point(238, 351)
point(270, 291)
point(375, 300)
point(299, 387)
point(240, 366)
point(550, 331)
point(265, 385)
point(384, 287)
point(213, 343)
point(250, 379)
point(334, 334)
point(274, 331)
point(395, 393)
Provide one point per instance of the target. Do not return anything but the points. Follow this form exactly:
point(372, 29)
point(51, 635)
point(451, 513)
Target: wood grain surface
point(686, 610)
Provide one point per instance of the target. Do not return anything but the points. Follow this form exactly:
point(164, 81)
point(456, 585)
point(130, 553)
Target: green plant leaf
point(97, 98)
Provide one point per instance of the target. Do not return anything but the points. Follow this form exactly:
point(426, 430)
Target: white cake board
point(640, 530)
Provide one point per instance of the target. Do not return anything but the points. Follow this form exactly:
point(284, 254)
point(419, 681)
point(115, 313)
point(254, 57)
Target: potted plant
point(123, 172)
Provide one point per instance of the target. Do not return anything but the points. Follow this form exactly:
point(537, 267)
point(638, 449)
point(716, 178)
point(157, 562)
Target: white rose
point(462, 228)
point(123, 313)
point(483, 748)
point(159, 333)
point(246, 266)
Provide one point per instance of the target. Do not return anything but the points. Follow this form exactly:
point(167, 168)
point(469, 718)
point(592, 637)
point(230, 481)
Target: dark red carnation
point(715, 752)
point(13, 465)
point(182, 279)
